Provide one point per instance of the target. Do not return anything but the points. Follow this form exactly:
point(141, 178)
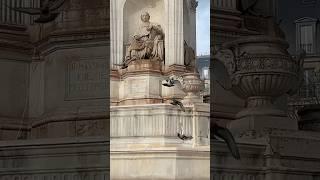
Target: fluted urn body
point(260, 70)
point(192, 85)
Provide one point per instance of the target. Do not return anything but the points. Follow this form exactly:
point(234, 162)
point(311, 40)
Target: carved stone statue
point(147, 43)
point(189, 55)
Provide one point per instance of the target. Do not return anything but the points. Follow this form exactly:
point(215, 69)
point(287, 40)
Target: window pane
point(306, 38)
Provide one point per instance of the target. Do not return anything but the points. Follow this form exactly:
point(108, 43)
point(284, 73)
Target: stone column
point(174, 32)
point(116, 32)
point(116, 49)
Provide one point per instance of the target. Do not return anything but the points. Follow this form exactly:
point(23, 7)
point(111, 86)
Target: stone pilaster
point(116, 31)
point(174, 32)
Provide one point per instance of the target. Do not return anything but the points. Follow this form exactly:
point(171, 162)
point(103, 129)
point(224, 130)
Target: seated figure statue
point(147, 43)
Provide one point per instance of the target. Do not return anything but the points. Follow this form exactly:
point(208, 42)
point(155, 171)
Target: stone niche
point(178, 22)
point(132, 12)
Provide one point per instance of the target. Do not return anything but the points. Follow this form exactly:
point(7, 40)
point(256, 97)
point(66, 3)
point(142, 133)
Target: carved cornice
point(114, 74)
point(126, 102)
point(66, 39)
point(175, 69)
point(15, 38)
point(142, 67)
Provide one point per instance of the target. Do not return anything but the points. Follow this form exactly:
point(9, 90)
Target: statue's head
point(145, 17)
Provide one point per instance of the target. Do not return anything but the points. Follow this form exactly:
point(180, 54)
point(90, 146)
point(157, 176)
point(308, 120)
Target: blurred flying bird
point(172, 81)
point(178, 103)
point(48, 11)
point(226, 135)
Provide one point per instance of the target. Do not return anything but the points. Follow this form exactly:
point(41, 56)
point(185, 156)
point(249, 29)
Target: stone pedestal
point(145, 145)
point(269, 155)
point(141, 82)
point(169, 163)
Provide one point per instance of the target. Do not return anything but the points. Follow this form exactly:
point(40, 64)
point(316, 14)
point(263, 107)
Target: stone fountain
point(260, 70)
point(144, 125)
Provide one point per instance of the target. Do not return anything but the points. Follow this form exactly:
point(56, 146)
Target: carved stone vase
point(192, 85)
point(260, 70)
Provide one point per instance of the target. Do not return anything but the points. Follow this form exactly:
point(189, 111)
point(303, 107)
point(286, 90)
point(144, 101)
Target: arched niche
point(131, 15)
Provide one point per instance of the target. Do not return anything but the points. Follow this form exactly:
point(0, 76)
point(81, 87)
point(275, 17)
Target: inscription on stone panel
point(86, 79)
point(138, 86)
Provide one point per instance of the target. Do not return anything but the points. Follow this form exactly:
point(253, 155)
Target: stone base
point(160, 163)
point(260, 122)
point(144, 142)
point(270, 155)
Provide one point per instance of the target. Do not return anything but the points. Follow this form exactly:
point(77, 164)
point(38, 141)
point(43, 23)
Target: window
point(306, 38)
point(205, 73)
point(306, 34)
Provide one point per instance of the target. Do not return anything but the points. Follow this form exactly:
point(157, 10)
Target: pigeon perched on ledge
point(181, 135)
point(184, 137)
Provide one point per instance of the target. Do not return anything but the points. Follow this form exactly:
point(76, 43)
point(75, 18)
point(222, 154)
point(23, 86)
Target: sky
point(203, 27)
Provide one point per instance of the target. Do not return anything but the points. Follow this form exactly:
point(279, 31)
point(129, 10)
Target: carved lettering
point(86, 79)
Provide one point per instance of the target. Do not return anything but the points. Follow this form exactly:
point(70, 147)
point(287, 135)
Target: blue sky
point(203, 27)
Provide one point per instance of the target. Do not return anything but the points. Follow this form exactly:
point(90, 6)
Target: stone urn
point(310, 117)
point(192, 85)
point(259, 70)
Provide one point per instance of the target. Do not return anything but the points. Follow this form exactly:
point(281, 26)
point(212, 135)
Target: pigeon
point(226, 135)
point(48, 11)
point(178, 103)
point(122, 66)
point(171, 81)
point(184, 137)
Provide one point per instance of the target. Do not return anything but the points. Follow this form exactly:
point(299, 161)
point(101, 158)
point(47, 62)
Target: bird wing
point(46, 18)
point(226, 135)
point(220, 74)
point(165, 83)
point(30, 11)
point(181, 106)
point(54, 5)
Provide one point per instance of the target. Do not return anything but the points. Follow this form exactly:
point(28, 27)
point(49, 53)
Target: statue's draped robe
point(148, 44)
